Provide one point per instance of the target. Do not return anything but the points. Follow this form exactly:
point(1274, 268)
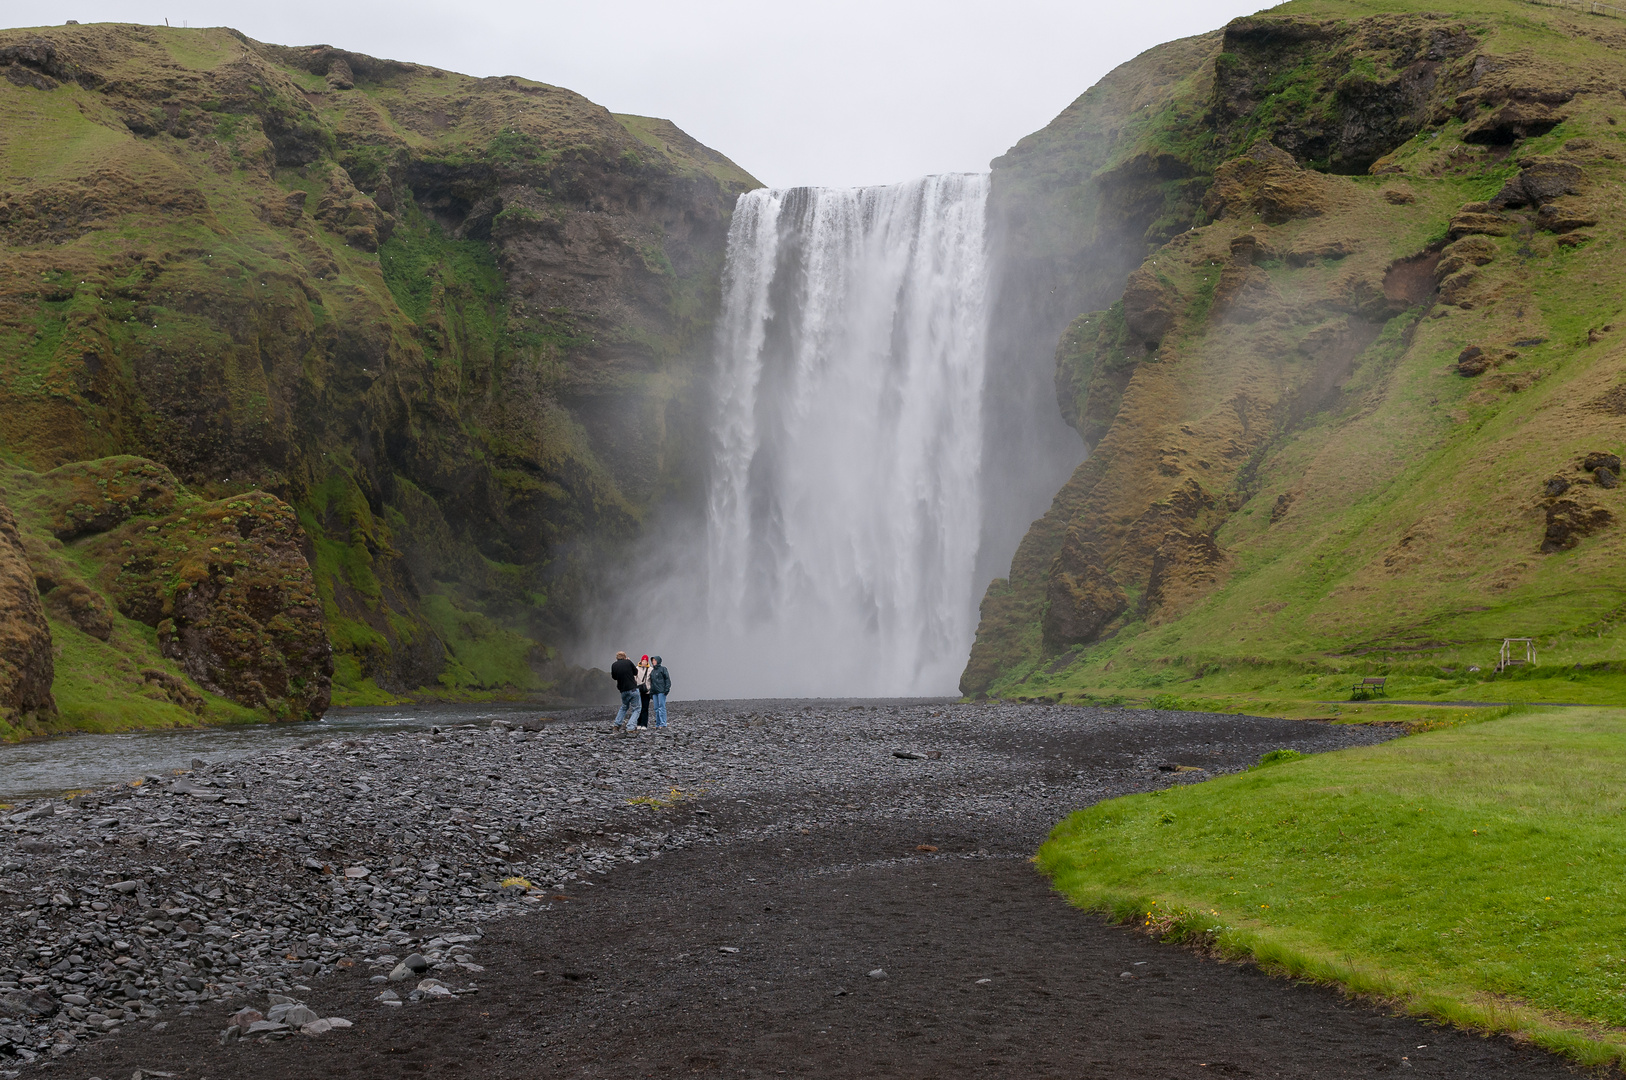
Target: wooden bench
point(1372, 684)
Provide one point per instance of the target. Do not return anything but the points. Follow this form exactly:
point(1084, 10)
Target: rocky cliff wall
point(26, 663)
point(456, 324)
point(1290, 464)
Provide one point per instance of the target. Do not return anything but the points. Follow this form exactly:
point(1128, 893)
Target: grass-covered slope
point(1471, 874)
point(164, 608)
point(1293, 480)
point(454, 322)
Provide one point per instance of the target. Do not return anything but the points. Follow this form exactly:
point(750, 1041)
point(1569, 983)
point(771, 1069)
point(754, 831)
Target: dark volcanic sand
point(626, 978)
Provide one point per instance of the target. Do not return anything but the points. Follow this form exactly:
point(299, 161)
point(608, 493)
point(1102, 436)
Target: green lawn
point(1475, 874)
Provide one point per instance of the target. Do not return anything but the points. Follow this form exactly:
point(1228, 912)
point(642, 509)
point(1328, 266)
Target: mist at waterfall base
point(836, 552)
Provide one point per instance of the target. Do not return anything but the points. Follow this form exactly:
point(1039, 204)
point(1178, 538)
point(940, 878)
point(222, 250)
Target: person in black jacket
point(625, 674)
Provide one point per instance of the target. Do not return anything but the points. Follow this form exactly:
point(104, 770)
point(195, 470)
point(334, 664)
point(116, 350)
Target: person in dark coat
point(625, 674)
point(660, 684)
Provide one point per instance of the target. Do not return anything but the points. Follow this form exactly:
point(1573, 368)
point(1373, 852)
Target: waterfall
point(844, 500)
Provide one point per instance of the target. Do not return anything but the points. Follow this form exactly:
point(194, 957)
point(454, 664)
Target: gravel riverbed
point(385, 876)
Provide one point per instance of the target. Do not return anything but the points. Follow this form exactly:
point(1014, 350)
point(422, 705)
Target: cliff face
point(455, 324)
point(1357, 395)
point(1072, 210)
point(26, 665)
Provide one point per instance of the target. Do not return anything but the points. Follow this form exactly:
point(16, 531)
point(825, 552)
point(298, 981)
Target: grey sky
point(834, 92)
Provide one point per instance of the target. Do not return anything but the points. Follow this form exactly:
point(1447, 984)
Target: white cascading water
point(844, 503)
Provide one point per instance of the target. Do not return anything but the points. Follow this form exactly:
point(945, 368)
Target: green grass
point(484, 655)
point(97, 687)
point(1472, 874)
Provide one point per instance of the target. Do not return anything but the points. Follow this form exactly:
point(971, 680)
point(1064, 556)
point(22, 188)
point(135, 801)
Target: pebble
point(125, 905)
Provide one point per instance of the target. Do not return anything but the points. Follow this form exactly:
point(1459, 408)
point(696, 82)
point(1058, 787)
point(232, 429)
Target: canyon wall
point(1347, 369)
point(451, 328)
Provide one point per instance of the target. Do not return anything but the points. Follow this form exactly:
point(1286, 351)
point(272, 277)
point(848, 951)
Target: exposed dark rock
point(1601, 459)
point(1569, 521)
point(1514, 121)
point(1556, 486)
point(1472, 361)
point(1605, 477)
point(1539, 182)
point(26, 663)
point(1148, 307)
point(1361, 112)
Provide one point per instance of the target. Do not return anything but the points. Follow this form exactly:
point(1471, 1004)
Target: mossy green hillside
point(1470, 874)
point(167, 608)
point(1292, 482)
point(416, 305)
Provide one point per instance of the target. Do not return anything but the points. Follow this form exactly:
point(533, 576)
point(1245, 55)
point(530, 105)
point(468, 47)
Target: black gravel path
point(743, 942)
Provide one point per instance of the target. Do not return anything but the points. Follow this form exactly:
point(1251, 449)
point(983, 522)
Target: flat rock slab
point(809, 939)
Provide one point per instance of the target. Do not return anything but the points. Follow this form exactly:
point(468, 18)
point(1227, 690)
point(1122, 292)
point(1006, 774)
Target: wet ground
point(67, 763)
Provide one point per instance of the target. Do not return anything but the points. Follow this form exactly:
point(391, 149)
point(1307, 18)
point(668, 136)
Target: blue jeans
point(630, 709)
point(659, 703)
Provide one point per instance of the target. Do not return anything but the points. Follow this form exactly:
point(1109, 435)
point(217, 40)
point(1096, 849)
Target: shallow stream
point(82, 762)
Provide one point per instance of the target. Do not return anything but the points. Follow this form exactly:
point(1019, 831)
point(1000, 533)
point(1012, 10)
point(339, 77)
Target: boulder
point(26, 1004)
point(26, 664)
point(1472, 361)
point(1569, 521)
point(1601, 459)
point(1539, 182)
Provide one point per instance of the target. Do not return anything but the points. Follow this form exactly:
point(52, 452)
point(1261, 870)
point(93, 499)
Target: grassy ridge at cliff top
point(1472, 874)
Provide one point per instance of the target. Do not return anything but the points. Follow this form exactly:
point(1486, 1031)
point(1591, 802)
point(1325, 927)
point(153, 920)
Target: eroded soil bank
point(734, 933)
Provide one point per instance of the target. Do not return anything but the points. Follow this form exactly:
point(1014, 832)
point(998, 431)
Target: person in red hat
point(644, 669)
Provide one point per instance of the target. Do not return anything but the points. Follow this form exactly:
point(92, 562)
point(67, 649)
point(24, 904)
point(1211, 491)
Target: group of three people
point(643, 687)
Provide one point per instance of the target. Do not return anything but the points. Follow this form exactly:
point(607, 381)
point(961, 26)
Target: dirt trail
point(751, 956)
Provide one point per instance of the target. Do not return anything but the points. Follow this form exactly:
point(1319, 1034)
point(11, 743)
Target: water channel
point(50, 767)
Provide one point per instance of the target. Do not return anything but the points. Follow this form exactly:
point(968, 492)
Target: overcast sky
point(825, 92)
